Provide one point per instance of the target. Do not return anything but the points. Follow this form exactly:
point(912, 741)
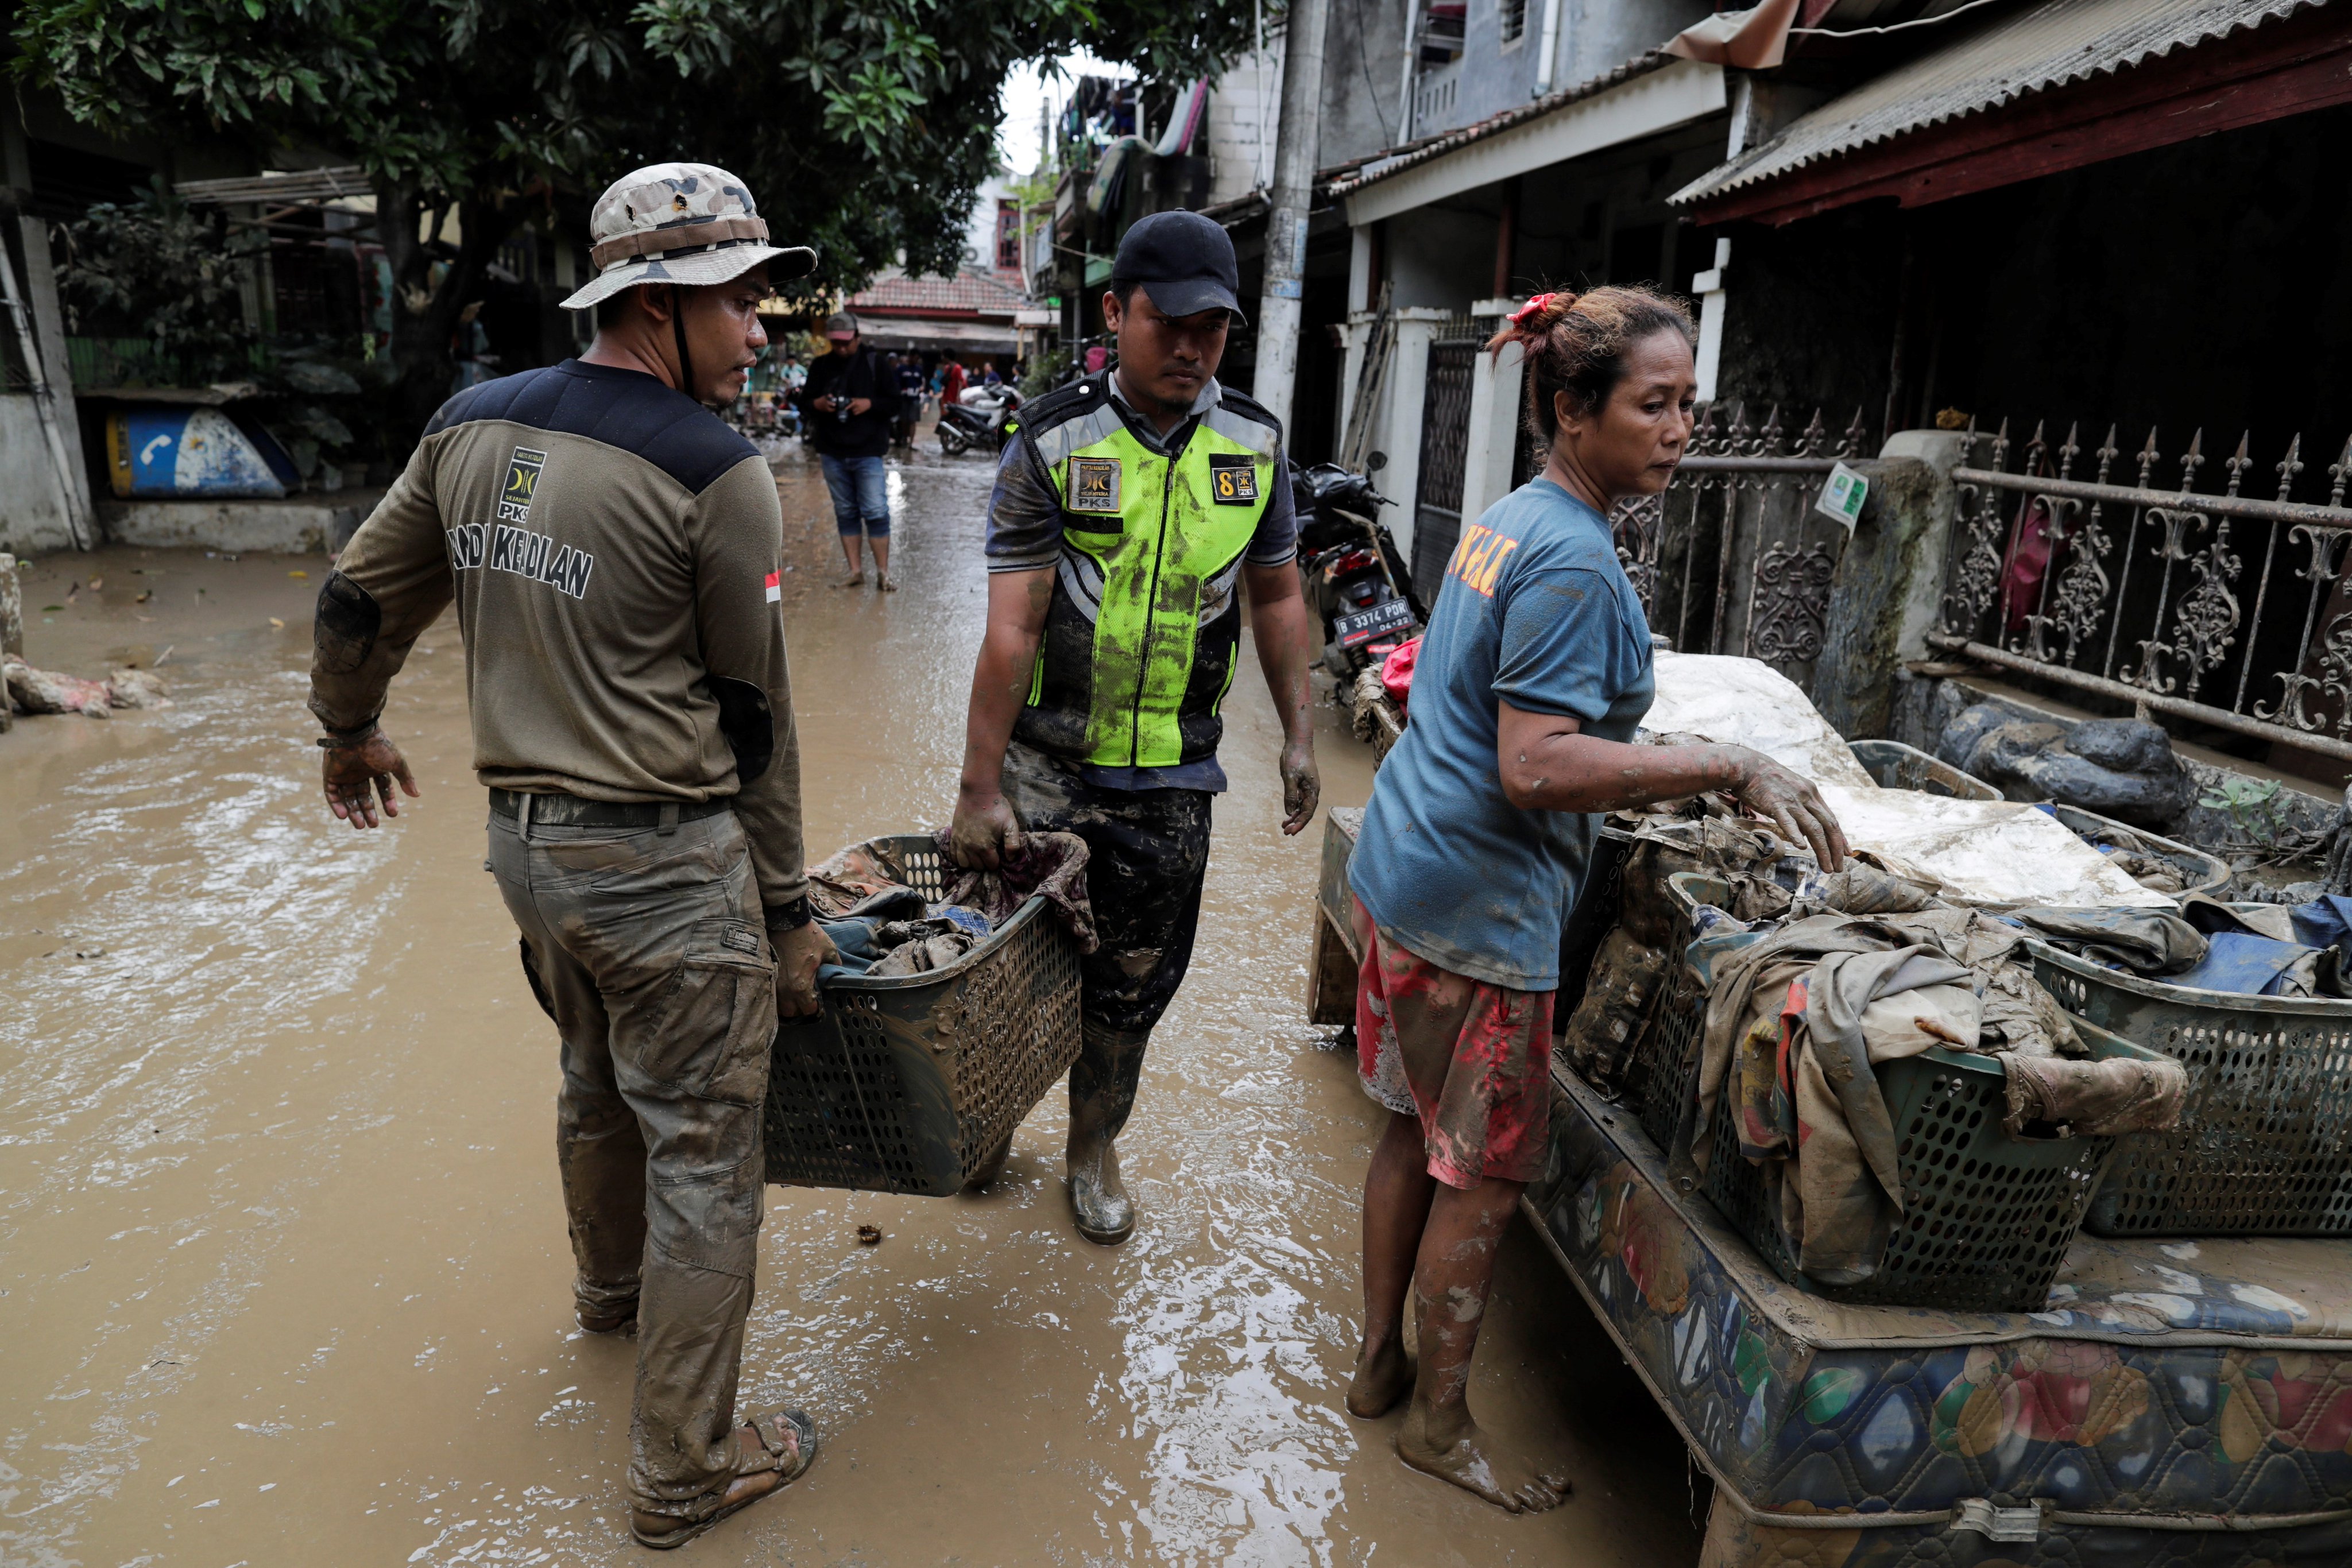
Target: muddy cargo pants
point(647, 947)
point(1147, 856)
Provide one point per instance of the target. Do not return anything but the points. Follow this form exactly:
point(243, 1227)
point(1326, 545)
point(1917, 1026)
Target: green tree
point(863, 126)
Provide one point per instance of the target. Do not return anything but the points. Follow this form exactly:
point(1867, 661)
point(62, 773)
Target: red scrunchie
point(1530, 311)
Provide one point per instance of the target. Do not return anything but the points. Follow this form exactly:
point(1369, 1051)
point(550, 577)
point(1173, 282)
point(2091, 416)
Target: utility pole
point(1297, 143)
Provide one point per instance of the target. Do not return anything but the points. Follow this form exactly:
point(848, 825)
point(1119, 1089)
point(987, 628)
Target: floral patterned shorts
point(1470, 1059)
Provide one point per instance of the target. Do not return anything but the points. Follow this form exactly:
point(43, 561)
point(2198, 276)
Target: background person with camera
point(848, 400)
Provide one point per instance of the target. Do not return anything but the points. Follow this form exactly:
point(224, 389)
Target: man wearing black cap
point(1130, 511)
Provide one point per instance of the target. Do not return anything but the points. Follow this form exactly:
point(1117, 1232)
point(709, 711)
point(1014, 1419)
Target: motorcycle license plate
point(1388, 615)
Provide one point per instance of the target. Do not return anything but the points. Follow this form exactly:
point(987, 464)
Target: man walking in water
point(1130, 509)
point(613, 550)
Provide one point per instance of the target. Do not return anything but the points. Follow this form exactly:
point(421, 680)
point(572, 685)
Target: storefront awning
point(2051, 87)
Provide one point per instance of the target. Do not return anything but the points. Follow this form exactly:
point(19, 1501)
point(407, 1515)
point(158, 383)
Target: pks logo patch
point(1232, 482)
point(521, 486)
point(1094, 484)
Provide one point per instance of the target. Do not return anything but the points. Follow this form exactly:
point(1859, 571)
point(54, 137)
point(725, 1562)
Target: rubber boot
point(1102, 1093)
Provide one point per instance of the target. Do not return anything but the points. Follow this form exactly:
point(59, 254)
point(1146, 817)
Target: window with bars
point(1008, 236)
point(1512, 15)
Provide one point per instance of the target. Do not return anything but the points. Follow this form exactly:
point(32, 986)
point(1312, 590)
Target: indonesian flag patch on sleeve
point(775, 589)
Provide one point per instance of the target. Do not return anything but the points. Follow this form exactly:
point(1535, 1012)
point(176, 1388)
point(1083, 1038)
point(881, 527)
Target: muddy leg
point(880, 545)
point(1397, 1192)
point(1456, 1268)
point(601, 1152)
point(849, 546)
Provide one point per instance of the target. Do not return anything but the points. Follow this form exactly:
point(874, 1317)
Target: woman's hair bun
point(1542, 310)
point(1576, 343)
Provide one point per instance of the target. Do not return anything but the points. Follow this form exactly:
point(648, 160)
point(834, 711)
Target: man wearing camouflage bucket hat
point(613, 550)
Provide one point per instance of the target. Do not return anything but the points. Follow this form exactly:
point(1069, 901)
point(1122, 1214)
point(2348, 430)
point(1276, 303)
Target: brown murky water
point(283, 1276)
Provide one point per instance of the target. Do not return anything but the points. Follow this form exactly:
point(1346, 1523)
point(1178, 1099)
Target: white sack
point(1745, 702)
point(1979, 851)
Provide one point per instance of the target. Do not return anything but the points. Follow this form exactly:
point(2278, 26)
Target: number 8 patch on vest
point(1094, 485)
point(1233, 478)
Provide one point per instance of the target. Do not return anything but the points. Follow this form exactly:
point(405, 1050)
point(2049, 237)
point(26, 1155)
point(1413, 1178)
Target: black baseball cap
point(1184, 262)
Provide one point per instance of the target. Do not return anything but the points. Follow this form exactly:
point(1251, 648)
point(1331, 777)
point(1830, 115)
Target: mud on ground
point(282, 1264)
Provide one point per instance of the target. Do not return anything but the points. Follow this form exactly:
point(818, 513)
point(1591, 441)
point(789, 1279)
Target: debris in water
point(276, 623)
point(40, 691)
point(869, 1236)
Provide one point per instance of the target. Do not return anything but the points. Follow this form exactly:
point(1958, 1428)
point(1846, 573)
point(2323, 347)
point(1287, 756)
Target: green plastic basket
point(2264, 1144)
point(914, 1084)
point(1986, 1218)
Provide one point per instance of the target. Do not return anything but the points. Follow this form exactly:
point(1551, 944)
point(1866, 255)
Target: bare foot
point(854, 579)
point(1382, 1379)
point(886, 584)
point(1476, 1462)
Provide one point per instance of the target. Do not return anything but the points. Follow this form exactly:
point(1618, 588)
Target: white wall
point(32, 514)
point(1240, 161)
point(980, 227)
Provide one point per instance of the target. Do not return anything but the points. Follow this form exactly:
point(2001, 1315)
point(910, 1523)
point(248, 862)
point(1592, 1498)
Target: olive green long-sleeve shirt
point(613, 548)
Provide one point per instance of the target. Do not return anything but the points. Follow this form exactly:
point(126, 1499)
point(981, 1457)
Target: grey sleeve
point(1024, 514)
point(1276, 539)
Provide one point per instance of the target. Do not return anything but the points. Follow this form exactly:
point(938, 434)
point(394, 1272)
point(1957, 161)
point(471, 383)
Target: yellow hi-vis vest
point(1145, 626)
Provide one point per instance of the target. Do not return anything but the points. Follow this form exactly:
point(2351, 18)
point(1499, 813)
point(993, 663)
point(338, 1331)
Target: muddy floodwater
point(283, 1275)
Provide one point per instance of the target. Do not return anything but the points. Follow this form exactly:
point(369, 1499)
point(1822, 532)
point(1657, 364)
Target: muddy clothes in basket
point(884, 927)
point(1799, 1024)
point(2163, 1379)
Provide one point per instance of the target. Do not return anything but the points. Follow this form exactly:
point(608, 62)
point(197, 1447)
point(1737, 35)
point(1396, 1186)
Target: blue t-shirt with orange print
point(1535, 612)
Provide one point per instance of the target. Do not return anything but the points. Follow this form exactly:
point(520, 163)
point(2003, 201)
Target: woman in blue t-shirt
point(1531, 679)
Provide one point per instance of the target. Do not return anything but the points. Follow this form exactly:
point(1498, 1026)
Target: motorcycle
point(1354, 578)
point(978, 416)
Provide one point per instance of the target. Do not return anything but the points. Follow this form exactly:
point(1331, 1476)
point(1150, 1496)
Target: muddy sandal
point(788, 1443)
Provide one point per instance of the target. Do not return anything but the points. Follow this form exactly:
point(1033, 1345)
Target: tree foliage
point(152, 268)
point(865, 127)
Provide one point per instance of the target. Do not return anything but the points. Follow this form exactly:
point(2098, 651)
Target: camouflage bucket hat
point(680, 223)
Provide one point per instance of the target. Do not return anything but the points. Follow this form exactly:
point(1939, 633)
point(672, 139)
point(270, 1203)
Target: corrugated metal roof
point(1342, 180)
point(292, 186)
point(2045, 46)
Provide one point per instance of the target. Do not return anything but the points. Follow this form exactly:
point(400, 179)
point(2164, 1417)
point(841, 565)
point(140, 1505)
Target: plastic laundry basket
point(1661, 1077)
point(2264, 1144)
point(914, 1084)
point(1986, 1218)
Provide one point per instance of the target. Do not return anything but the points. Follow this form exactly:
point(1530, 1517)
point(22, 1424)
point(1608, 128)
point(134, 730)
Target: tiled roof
point(968, 293)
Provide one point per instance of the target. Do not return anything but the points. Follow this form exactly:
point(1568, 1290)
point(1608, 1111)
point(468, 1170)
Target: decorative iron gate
point(1732, 559)
point(1444, 450)
point(2115, 585)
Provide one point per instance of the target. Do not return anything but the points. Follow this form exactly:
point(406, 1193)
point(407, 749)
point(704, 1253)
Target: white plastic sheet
point(1979, 851)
